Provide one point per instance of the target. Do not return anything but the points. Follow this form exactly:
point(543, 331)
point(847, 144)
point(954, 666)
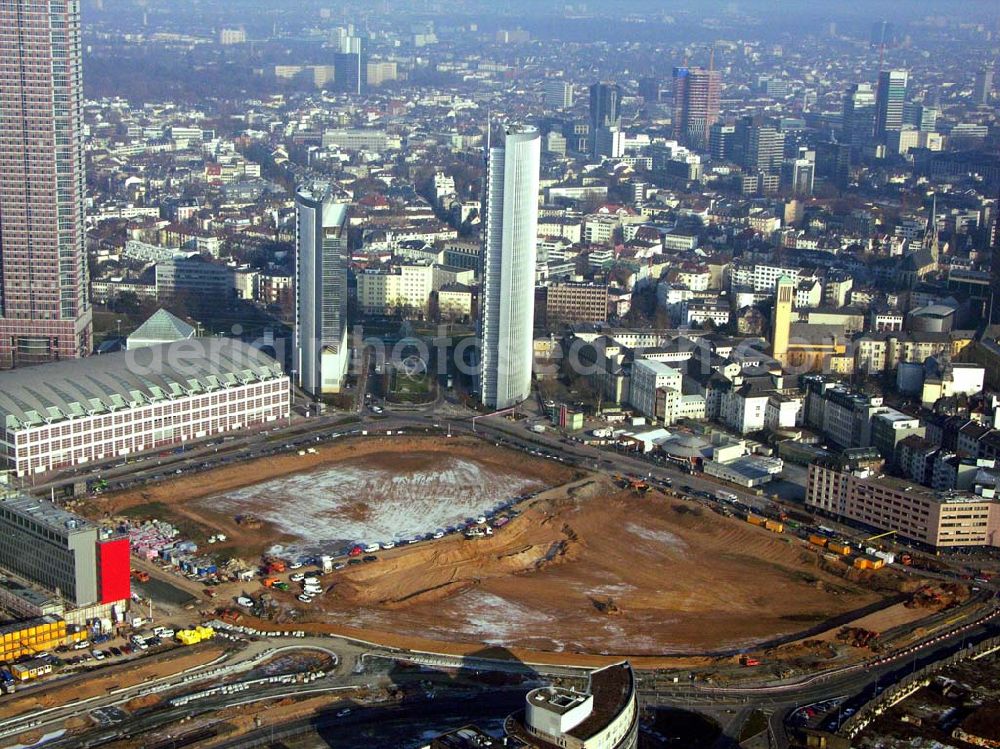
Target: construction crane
point(880, 535)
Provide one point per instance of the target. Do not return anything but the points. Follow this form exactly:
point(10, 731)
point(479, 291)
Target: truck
point(538, 428)
point(724, 496)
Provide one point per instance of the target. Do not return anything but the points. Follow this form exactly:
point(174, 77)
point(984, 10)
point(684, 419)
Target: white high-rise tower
point(510, 228)
point(321, 350)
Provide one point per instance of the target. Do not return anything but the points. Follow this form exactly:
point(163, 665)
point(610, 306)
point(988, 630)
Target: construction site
point(571, 562)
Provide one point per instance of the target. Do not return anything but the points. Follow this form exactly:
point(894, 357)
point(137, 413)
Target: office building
point(939, 519)
point(510, 227)
point(858, 124)
point(649, 380)
point(696, 104)
point(322, 354)
point(765, 149)
point(44, 304)
point(63, 552)
point(356, 139)
point(196, 280)
point(982, 86)
point(119, 404)
point(721, 138)
point(889, 101)
point(833, 163)
point(558, 94)
point(800, 176)
point(229, 37)
point(381, 72)
point(605, 111)
point(573, 302)
point(350, 66)
point(920, 116)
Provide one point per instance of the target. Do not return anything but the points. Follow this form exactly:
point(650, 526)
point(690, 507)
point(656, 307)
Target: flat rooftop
point(612, 687)
point(47, 515)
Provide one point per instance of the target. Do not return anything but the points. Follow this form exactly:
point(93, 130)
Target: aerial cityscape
point(545, 375)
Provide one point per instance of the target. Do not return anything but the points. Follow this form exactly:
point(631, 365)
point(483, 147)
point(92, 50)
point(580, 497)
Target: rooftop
point(78, 388)
point(162, 326)
point(47, 514)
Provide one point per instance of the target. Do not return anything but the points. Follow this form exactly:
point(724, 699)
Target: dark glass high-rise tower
point(44, 308)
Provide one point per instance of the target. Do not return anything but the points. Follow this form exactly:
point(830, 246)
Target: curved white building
point(605, 716)
point(510, 228)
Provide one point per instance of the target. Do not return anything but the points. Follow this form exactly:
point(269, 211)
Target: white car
point(481, 519)
point(371, 548)
point(297, 577)
point(295, 565)
point(305, 598)
point(98, 655)
point(389, 545)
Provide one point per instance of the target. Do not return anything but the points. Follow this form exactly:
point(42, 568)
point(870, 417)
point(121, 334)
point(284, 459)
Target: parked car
point(305, 599)
point(370, 558)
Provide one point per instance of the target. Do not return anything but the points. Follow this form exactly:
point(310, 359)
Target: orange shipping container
point(774, 526)
point(839, 548)
point(755, 520)
point(818, 540)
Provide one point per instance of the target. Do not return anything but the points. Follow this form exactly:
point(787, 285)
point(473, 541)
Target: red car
point(356, 551)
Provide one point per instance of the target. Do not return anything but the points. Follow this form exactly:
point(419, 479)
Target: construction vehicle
point(270, 582)
point(140, 576)
point(639, 486)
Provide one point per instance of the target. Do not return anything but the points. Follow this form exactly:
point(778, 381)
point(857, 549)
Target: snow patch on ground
point(668, 539)
point(496, 620)
point(351, 502)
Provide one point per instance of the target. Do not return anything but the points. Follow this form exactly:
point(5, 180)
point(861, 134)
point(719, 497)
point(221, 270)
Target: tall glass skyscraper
point(605, 112)
point(510, 229)
point(889, 101)
point(321, 352)
point(44, 307)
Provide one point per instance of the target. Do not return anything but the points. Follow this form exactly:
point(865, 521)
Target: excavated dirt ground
point(585, 568)
point(591, 568)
